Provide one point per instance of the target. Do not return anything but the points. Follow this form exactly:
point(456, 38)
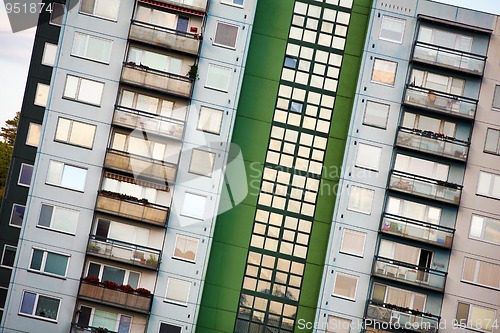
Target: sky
point(15, 54)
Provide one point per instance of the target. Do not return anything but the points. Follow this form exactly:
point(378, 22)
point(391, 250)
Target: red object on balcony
point(193, 30)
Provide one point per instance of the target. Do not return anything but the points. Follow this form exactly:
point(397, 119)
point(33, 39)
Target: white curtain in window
point(353, 241)
point(398, 297)
point(178, 290)
point(210, 120)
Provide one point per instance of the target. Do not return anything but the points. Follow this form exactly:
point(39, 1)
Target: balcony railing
point(155, 124)
point(164, 37)
point(432, 143)
point(400, 318)
point(420, 231)
point(117, 204)
point(199, 5)
point(146, 77)
point(449, 58)
point(76, 328)
point(115, 297)
point(124, 252)
point(411, 274)
point(425, 187)
point(140, 166)
point(440, 102)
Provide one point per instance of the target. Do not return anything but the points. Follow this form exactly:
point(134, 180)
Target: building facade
point(256, 166)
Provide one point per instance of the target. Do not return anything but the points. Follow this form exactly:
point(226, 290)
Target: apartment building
point(415, 236)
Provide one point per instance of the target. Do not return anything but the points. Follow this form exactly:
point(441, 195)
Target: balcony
point(410, 274)
point(163, 82)
point(449, 58)
point(164, 37)
point(100, 293)
point(199, 5)
point(76, 328)
point(395, 317)
point(121, 205)
point(155, 124)
point(440, 102)
point(140, 166)
point(425, 187)
point(420, 231)
point(432, 143)
point(124, 252)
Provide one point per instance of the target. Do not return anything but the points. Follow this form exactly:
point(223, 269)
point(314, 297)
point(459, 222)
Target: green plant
point(93, 247)
point(193, 72)
point(152, 260)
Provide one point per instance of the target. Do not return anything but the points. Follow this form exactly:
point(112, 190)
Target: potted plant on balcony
point(143, 292)
point(193, 72)
point(94, 248)
point(152, 261)
point(100, 330)
point(126, 288)
point(91, 279)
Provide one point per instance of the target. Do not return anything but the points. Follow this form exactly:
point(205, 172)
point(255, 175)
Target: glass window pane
point(202, 162)
point(226, 34)
point(218, 77)
point(45, 215)
point(376, 114)
point(90, 91)
point(124, 324)
point(133, 279)
point(338, 325)
point(56, 264)
point(63, 128)
point(178, 290)
point(392, 29)
point(34, 132)
point(47, 307)
point(105, 319)
point(113, 274)
point(25, 175)
point(384, 71)
point(49, 54)
point(82, 134)
point(168, 328)
point(194, 206)
point(36, 260)
point(186, 247)
point(360, 199)
point(496, 97)
point(107, 8)
point(492, 140)
point(484, 183)
point(482, 318)
point(17, 215)
point(42, 94)
point(345, 285)
point(65, 220)
point(353, 242)
point(368, 156)
point(210, 120)
point(74, 178)
point(28, 303)
point(71, 88)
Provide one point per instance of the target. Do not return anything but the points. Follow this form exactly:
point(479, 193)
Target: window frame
point(493, 106)
point(47, 182)
point(51, 19)
point(368, 146)
point(199, 128)
point(176, 302)
point(353, 299)
point(192, 216)
point(50, 227)
point(39, 85)
point(20, 174)
point(93, 14)
point(12, 213)
point(78, 89)
point(45, 63)
point(457, 323)
point(44, 262)
point(489, 195)
point(214, 157)
point(393, 18)
point(372, 80)
point(5, 246)
point(372, 124)
point(359, 210)
point(102, 265)
point(169, 324)
point(231, 3)
point(87, 43)
point(30, 126)
point(68, 142)
point(208, 86)
point(497, 152)
point(351, 253)
point(35, 305)
point(235, 40)
point(2, 308)
point(177, 236)
point(482, 239)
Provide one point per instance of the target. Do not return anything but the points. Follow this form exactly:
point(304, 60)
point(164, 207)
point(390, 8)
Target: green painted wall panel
point(257, 108)
point(341, 117)
point(265, 57)
point(348, 76)
point(232, 230)
point(273, 18)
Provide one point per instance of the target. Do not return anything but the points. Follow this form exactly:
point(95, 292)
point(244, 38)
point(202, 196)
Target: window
point(421, 167)
point(49, 262)
point(233, 2)
point(488, 185)
point(154, 60)
point(186, 248)
point(392, 29)
point(75, 132)
point(485, 228)
point(345, 285)
point(140, 189)
point(218, 77)
point(3, 297)
point(290, 62)
point(384, 71)
point(178, 291)
point(83, 90)
point(226, 35)
point(481, 272)
point(492, 144)
point(202, 162)
point(111, 321)
point(8, 256)
point(49, 54)
point(296, 107)
point(400, 297)
point(424, 123)
point(210, 120)
point(360, 200)
point(91, 47)
point(168, 328)
point(447, 39)
point(33, 138)
point(353, 242)
point(36, 305)
point(57, 14)
point(496, 97)
point(58, 218)
point(114, 274)
point(368, 157)
point(433, 81)
point(42, 94)
point(17, 215)
point(376, 114)
point(25, 175)
point(413, 210)
point(194, 206)
point(156, 17)
point(338, 325)
point(107, 9)
point(68, 176)
point(475, 317)
point(151, 104)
